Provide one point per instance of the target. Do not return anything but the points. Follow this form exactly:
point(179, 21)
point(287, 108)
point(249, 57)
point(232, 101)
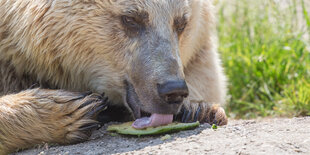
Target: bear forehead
point(152, 7)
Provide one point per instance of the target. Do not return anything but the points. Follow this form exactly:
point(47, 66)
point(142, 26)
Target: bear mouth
point(150, 120)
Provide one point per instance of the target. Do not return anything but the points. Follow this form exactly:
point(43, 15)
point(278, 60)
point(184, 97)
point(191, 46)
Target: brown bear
point(156, 58)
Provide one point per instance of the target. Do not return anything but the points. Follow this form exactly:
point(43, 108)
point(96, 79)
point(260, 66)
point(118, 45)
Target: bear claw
point(89, 127)
point(101, 105)
point(186, 115)
point(197, 114)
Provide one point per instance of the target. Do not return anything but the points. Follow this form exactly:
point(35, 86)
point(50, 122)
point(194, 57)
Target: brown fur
point(81, 46)
point(37, 116)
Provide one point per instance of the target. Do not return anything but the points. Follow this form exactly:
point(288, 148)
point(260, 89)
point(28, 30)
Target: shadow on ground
point(103, 142)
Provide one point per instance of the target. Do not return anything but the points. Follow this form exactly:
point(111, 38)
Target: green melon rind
point(127, 129)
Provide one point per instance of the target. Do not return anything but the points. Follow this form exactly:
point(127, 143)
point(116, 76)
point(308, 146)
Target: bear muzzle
point(161, 112)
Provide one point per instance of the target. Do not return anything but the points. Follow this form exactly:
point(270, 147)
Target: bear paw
point(202, 112)
point(73, 116)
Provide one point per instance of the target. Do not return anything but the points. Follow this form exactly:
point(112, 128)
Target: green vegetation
point(265, 48)
point(214, 126)
point(127, 129)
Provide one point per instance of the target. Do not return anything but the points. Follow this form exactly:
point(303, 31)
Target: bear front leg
point(39, 116)
point(207, 89)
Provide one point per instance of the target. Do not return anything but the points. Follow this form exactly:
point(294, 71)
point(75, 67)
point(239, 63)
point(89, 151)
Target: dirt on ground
point(260, 136)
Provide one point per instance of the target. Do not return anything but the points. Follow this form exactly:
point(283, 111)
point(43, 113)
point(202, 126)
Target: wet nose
point(173, 92)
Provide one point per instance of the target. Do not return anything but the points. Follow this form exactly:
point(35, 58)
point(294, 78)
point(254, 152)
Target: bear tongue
point(153, 121)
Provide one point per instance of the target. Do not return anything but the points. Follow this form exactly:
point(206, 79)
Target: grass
point(266, 55)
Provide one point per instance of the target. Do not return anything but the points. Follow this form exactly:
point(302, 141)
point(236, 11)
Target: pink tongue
point(153, 121)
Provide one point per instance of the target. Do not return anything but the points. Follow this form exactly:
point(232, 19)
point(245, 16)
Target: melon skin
point(127, 129)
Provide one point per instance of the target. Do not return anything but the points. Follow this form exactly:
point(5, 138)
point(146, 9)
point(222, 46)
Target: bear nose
point(173, 92)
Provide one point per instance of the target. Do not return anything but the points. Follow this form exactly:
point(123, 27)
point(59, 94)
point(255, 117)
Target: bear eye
point(130, 22)
point(181, 28)
point(180, 25)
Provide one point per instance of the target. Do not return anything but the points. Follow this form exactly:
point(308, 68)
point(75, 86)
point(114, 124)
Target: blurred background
point(265, 47)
